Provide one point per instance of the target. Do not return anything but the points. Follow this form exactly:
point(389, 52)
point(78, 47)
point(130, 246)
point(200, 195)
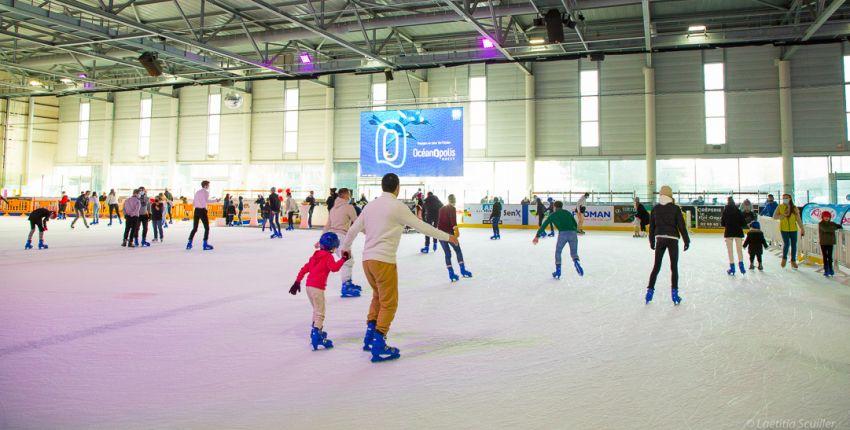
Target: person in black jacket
point(331, 199)
point(755, 244)
point(274, 214)
point(495, 217)
point(733, 223)
point(641, 218)
point(666, 225)
point(541, 212)
point(38, 219)
point(430, 213)
point(80, 207)
point(311, 201)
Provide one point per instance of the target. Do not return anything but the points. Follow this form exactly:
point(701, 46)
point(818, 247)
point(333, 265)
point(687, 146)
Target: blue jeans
point(447, 249)
point(95, 213)
point(565, 237)
point(789, 237)
point(495, 222)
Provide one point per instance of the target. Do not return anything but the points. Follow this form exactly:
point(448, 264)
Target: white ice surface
point(95, 336)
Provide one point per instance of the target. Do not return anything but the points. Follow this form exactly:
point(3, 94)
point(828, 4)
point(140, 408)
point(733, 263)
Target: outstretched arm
point(355, 229)
point(407, 218)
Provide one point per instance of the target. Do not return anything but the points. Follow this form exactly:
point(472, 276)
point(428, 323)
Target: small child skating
point(826, 237)
point(567, 233)
point(317, 269)
point(38, 219)
point(755, 244)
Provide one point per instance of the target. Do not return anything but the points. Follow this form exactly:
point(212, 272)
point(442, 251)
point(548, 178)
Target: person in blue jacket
point(769, 206)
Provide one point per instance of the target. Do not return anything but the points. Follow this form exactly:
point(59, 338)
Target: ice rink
point(95, 336)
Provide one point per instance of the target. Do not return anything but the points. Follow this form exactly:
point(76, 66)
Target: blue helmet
point(329, 241)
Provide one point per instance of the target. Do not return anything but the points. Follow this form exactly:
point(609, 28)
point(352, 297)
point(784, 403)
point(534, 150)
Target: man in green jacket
point(567, 233)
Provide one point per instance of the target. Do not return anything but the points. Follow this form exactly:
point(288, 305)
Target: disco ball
point(233, 100)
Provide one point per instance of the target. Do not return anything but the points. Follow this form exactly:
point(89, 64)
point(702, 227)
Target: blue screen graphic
point(426, 142)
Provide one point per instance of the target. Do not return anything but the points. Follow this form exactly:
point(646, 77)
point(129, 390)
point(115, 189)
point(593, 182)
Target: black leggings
point(131, 227)
point(826, 251)
point(754, 257)
point(431, 222)
point(289, 219)
point(143, 220)
point(200, 215)
point(114, 208)
point(671, 246)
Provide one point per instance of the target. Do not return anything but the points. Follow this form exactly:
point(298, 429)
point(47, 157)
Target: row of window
point(715, 112)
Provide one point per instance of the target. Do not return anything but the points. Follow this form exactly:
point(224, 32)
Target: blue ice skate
point(42, 245)
point(435, 245)
point(649, 293)
point(370, 333)
point(425, 250)
point(731, 271)
point(578, 267)
point(465, 273)
point(557, 273)
point(189, 245)
point(28, 245)
point(136, 242)
point(380, 350)
point(675, 296)
point(741, 267)
point(146, 243)
point(319, 338)
point(452, 276)
point(551, 234)
point(349, 289)
point(207, 246)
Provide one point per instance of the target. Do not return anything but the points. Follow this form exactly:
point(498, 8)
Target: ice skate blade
point(378, 358)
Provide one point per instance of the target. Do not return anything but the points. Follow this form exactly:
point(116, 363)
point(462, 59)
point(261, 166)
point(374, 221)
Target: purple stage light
point(305, 58)
point(487, 43)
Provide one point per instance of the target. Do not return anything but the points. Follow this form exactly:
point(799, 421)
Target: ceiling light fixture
point(696, 29)
point(536, 41)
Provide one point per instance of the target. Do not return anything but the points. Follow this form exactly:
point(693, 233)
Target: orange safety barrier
point(16, 206)
point(23, 206)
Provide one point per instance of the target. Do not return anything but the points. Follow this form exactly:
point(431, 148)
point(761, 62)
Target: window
point(847, 92)
point(290, 120)
point(379, 96)
point(213, 124)
point(589, 108)
point(478, 112)
point(145, 128)
point(715, 104)
point(83, 136)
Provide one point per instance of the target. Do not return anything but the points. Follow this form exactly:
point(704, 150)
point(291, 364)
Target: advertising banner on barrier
point(427, 142)
point(709, 216)
point(595, 215)
point(812, 212)
point(624, 214)
point(480, 214)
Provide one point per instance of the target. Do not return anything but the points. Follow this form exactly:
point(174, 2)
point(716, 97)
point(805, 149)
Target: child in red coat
point(320, 265)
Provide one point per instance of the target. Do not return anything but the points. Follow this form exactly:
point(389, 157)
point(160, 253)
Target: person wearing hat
point(826, 238)
point(755, 244)
point(666, 226)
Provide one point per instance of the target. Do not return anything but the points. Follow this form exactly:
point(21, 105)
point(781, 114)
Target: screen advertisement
point(427, 142)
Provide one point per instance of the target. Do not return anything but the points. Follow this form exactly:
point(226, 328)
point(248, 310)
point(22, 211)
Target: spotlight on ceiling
point(66, 81)
point(696, 29)
point(487, 43)
point(536, 41)
point(305, 58)
point(36, 83)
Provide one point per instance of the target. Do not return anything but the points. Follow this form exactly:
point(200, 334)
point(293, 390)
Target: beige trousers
point(317, 299)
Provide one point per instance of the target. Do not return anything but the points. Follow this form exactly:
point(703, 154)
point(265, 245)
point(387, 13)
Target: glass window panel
point(144, 146)
point(478, 88)
point(146, 108)
point(848, 126)
point(291, 120)
point(290, 141)
point(847, 69)
point(761, 174)
point(145, 127)
point(715, 104)
point(83, 147)
point(590, 83)
point(589, 134)
point(214, 104)
point(478, 113)
point(379, 96)
point(847, 98)
point(678, 174)
point(509, 180)
point(713, 76)
point(212, 144)
point(292, 99)
point(478, 136)
point(811, 180)
point(84, 130)
point(629, 175)
point(715, 131)
point(590, 108)
point(717, 174)
point(589, 175)
point(214, 122)
point(552, 176)
point(85, 109)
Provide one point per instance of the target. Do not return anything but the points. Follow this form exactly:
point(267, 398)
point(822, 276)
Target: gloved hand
point(296, 287)
point(346, 255)
point(687, 245)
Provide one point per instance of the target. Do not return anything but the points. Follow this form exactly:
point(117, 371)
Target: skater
point(826, 238)
point(769, 207)
point(790, 221)
point(38, 219)
point(311, 202)
point(63, 206)
point(225, 210)
point(331, 199)
point(755, 244)
point(157, 211)
point(733, 223)
point(241, 207)
point(231, 213)
point(80, 206)
point(641, 218)
point(362, 202)
point(131, 218)
point(549, 210)
point(291, 209)
point(95, 209)
point(666, 225)
point(340, 219)
point(541, 212)
point(447, 222)
point(112, 202)
point(567, 234)
point(169, 204)
point(321, 264)
point(581, 210)
point(430, 214)
point(495, 218)
point(265, 212)
point(200, 201)
point(748, 212)
point(274, 214)
point(383, 222)
point(144, 216)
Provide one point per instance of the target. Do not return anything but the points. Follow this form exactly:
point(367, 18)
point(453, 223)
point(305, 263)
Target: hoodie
point(320, 265)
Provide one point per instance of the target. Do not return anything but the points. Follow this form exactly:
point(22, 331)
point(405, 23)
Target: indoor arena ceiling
point(67, 46)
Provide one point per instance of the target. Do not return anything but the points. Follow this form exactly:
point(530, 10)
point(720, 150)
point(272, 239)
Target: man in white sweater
point(340, 219)
point(383, 221)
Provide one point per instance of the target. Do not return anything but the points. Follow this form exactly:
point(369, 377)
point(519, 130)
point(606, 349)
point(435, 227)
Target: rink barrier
point(808, 246)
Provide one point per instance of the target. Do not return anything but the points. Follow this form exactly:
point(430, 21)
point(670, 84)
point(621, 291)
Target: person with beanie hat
point(826, 238)
point(666, 225)
point(755, 244)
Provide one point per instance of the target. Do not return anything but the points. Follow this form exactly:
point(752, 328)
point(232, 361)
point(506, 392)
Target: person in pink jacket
point(340, 219)
point(317, 270)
